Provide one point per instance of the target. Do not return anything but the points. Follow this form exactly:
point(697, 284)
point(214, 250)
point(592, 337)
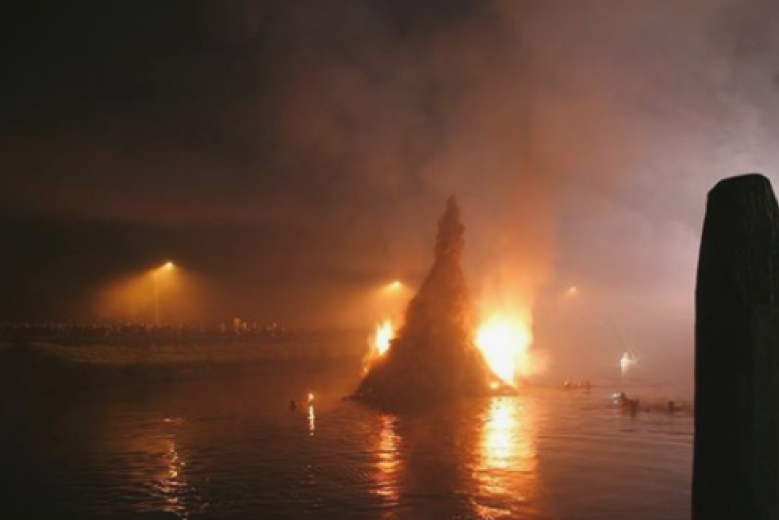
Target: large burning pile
point(439, 353)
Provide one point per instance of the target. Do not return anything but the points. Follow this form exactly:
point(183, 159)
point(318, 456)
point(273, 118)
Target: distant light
point(572, 291)
point(494, 385)
point(310, 398)
point(168, 266)
point(626, 362)
point(396, 285)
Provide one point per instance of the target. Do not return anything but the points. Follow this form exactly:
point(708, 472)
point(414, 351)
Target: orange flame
point(504, 341)
point(383, 337)
point(378, 344)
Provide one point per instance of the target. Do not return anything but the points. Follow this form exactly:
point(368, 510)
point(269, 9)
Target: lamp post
point(167, 266)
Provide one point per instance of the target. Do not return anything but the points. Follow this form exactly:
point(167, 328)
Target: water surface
point(231, 447)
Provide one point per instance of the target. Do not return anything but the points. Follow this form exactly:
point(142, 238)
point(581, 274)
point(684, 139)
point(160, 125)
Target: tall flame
point(378, 344)
point(383, 336)
point(504, 342)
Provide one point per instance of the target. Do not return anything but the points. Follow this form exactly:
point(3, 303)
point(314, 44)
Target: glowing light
point(500, 433)
point(310, 398)
point(395, 286)
point(378, 344)
point(494, 385)
point(383, 337)
point(626, 362)
point(507, 460)
point(172, 485)
point(311, 420)
point(504, 342)
point(572, 291)
point(156, 274)
point(388, 463)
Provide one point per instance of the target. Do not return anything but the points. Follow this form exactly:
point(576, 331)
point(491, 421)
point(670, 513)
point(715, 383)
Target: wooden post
point(736, 454)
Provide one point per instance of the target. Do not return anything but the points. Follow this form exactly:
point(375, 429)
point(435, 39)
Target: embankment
point(36, 364)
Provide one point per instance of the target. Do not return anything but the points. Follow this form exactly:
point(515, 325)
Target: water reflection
point(506, 473)
point(388, 463)
point(232, 449)
point(311, 420)
point(467, 459)
point(152, 458)
point(172, 485)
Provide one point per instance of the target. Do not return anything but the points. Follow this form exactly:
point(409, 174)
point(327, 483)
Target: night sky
point(293, 156)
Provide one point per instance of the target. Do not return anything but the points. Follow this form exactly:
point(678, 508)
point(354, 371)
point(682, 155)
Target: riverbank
point(46, 365)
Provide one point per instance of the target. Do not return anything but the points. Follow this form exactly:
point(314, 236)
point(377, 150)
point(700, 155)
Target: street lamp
point(167, 266)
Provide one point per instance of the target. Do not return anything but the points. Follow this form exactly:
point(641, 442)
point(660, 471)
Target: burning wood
point(434, 355)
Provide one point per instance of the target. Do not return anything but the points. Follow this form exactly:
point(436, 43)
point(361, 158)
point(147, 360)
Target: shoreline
point(39, 366)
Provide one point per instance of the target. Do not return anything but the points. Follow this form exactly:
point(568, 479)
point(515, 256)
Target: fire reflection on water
point(506, 471)
point(311, 420)
point(495, 458)
point(388, 463)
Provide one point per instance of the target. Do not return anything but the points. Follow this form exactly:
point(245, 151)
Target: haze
point(293, 157)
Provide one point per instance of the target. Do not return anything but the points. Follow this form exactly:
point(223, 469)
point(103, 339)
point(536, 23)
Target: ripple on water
point(233, 449)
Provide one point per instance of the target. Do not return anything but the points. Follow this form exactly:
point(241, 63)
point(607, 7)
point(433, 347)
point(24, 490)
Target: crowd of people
point(128, 333)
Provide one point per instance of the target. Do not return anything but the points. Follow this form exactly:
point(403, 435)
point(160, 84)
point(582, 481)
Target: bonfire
point(434, 356)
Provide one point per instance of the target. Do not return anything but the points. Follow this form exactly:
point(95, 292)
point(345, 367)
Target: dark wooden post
point(736, 458)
